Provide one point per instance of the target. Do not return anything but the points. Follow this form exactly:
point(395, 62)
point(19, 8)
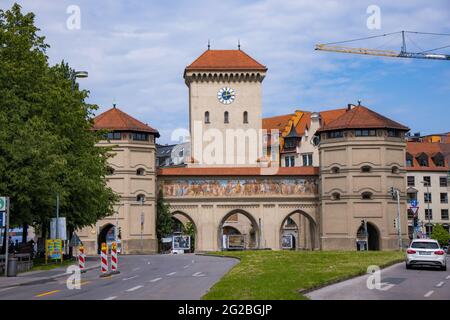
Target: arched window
point(140, 198)
point(207, 117)
point(395, 170)
point(366, 195)
point(225, 117)
point(336, 196)
point(335, 170)
point(366, 169)
point(140, 171)
point(245, 117)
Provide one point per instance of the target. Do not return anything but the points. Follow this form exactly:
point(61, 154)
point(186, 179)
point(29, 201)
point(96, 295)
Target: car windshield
point(424, 245)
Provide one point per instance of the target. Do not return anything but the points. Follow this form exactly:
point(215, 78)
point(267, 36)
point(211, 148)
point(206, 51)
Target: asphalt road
point(165, 277)
point(397, 283)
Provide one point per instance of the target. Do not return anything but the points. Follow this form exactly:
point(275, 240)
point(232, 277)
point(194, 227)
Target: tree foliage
point(164, 222)
point(47, 144)
point(440, 234)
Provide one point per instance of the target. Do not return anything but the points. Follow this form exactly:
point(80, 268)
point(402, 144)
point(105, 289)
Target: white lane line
point(148, 262)
point(156, 279)
point(198, 274)
point(130, 278)
point(448, 277)
point(110, 298)
point(170, 274)
point(133, 289)
point(440, 284)
point(193, 261)
point(186, 266)
point(9, 288)
point(429, 293)
point(135, 269)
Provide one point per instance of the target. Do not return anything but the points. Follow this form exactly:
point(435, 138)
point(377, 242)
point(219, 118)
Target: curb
point(329, 283)
point(217, 255)
point(43, 280)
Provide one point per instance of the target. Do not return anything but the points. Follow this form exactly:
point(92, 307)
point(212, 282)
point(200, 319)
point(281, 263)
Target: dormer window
point(409, 160)
point(438, 160)
point(290, 143)
point(423, 160)
point(366, 169)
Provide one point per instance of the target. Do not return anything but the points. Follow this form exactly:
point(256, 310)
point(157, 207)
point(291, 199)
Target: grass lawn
point(39, 264)
point(281, 274)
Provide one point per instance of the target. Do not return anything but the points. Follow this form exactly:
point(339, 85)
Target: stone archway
point(104, 235)
point(372, 236)
point(303, 229)
point(251, 235)
point(184, 220)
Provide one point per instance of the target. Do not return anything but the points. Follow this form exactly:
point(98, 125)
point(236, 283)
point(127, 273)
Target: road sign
point(2, 219)
point(413, 203)
point(2, 204)
point(53, 249)
point(414, 210)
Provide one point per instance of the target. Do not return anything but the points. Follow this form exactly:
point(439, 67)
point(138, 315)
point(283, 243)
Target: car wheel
point(444, 268)
point(408, 266)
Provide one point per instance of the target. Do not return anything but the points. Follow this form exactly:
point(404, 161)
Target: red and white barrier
point(104, 259)
point(114, 258)
point(81, 259)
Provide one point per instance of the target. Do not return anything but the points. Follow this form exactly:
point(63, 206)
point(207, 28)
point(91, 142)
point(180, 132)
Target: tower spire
point(239, 44)
point(209, 44)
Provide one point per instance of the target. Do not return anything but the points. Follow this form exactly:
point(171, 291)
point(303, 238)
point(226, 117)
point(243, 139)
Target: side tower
point(224, 93)
point(362, 155)
point(133, 176)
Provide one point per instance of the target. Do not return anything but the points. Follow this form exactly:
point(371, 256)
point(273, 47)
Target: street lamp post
point(142, 224)
point(77, 74)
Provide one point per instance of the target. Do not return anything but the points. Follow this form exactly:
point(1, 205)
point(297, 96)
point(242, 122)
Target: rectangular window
point(443, 181)
point(427, 181)
point(444, 214)
point(429, 214)
point(307, 159)
point(427, 197)
point(335, 134)
point(409, 162)
point(444, 197)
point(393, 133)
point(289, 161)
point(411, 196)
point(411, 181)
point(140, 136)
point(113, 135)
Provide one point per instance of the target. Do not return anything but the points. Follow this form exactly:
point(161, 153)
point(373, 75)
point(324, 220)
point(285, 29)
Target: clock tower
point(225, 107)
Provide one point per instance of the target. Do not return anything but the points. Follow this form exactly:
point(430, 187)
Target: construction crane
point(424, 54)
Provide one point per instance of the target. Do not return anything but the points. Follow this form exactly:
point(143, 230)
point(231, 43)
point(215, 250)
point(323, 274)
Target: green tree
point(47, 144)
point(440, 234)
point(164, 221)
point(189, 229)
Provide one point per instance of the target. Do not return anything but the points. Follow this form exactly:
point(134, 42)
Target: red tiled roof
point(360, 117)
point(237, 171)
point(278, 122)
point(116, 119)
point(331, 115)
point(430, 149)
point(225, 60)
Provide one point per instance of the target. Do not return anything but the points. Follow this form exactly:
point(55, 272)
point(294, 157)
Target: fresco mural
point(239, 187)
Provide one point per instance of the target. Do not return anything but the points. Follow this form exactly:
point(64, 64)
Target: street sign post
point(4, 208)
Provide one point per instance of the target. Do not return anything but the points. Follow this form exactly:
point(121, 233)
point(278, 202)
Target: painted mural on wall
point(239, 187)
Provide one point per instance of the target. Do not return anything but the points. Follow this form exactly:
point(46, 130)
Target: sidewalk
point(41, 276)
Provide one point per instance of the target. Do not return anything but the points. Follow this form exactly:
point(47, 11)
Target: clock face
point(226, 95)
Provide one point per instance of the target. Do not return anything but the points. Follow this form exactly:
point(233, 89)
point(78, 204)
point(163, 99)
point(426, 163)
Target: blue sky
point(136, 51)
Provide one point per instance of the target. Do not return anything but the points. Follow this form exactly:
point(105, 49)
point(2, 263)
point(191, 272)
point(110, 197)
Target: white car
point(426, 252)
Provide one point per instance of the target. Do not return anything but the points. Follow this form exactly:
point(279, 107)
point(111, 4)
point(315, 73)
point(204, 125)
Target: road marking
point(186, 266)
point(193, 261)
point(133, 289)
point(448, 277)
point(148, 262)
point(47, 293)
point(5, 289)
point(170, 274)
point(429, 293)
point(110, 298)
point(136, 269)
point(130, 278)
point(156, 279)
point(440, 284)
point(385, 286)
point(198, 274)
